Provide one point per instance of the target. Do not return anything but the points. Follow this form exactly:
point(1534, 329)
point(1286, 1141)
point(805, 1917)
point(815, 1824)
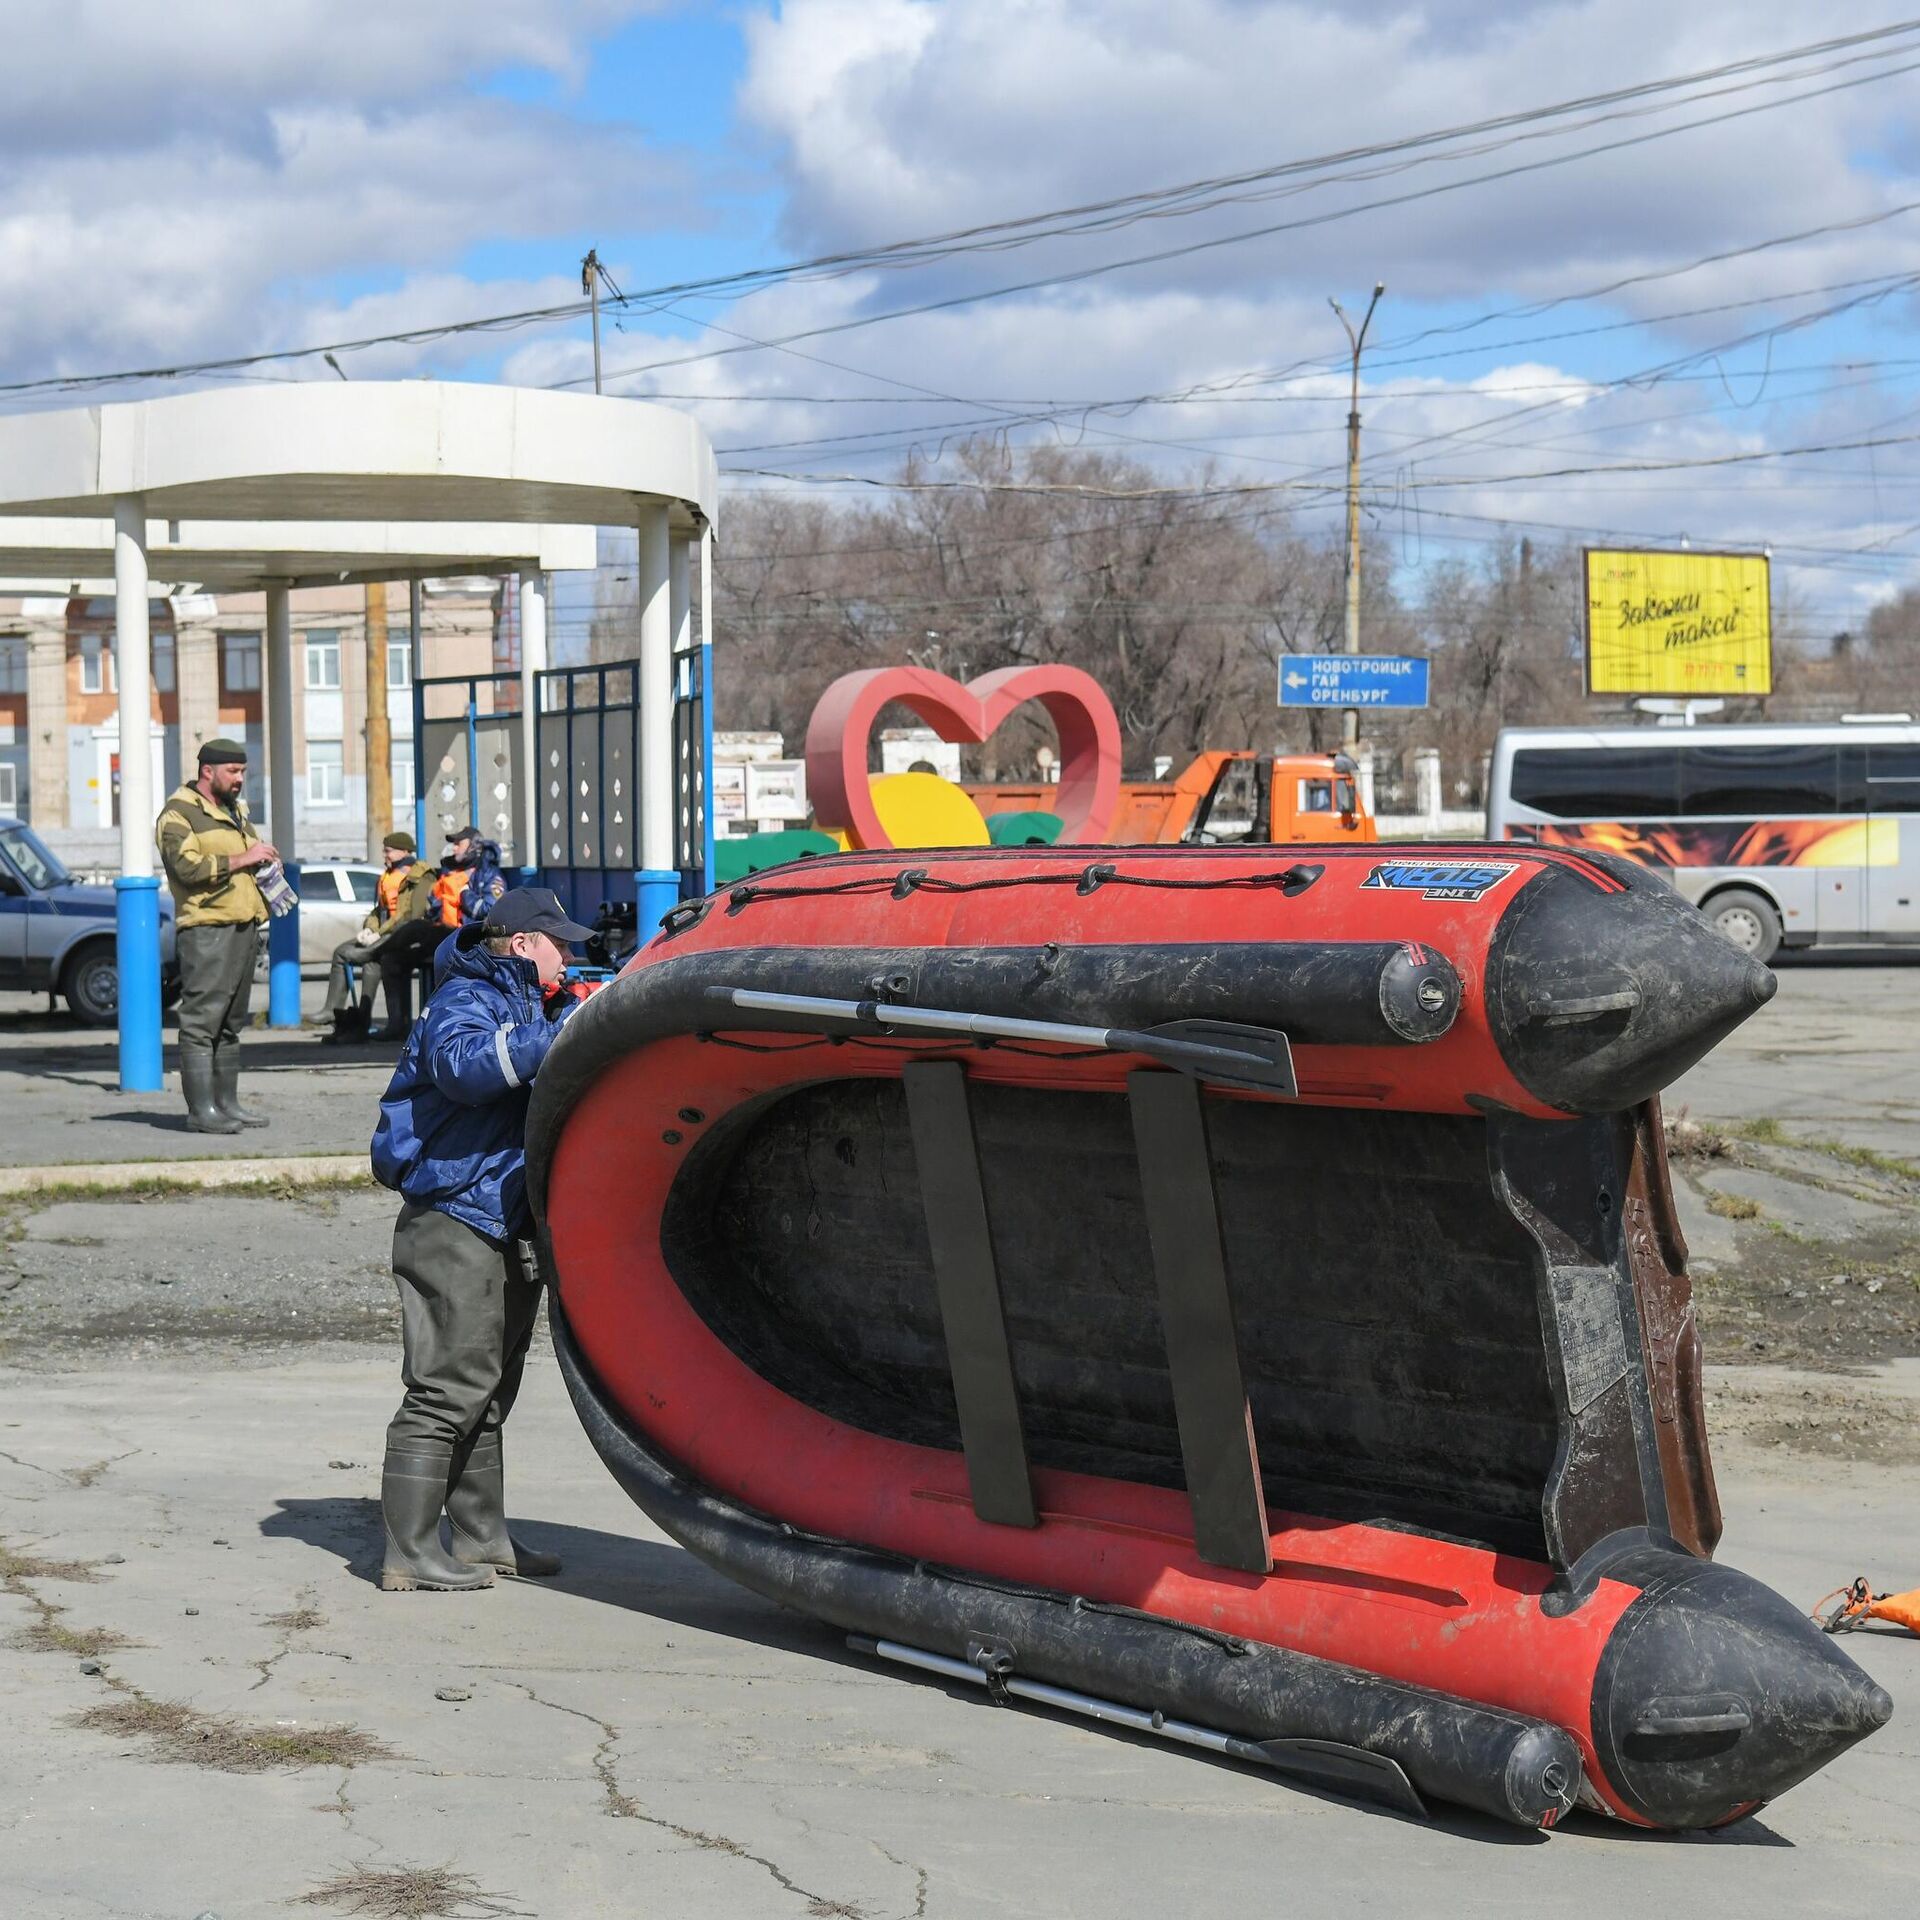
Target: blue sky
point(671, 80)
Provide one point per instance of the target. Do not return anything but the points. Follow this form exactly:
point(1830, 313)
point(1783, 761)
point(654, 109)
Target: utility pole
point(379, 729)
point(590, 286)
point(1350, 732)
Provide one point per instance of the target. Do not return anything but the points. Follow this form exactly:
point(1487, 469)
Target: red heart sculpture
point(1082, 715)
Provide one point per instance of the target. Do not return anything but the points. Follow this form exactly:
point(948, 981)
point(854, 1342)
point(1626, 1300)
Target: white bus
point(1783, 835)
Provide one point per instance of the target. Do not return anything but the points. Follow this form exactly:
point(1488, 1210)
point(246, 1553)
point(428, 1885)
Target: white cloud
point(896, 117)
point(173, 185)
point(907, 116)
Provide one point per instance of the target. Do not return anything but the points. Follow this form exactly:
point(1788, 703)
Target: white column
point(680, 619)
point(133, 666)
point(136, 894)
point(283, 832)
point(533, 661)
point(656, 696)
point(680, 591)
point(708, 827)
point(1426, 785)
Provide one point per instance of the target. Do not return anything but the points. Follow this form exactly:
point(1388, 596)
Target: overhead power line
point(1172, 202)
point(953, 302)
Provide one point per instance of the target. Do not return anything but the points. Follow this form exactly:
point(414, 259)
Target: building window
point(399, 664)
point(326, 774)
point(9, 785)
point(239, 663)
point(323, 663)
point(96, 663)
point(13, 663)
point(403, 775)
point(163, 663)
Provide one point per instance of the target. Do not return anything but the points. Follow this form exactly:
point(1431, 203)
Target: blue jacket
point(486, 886)
point(452, 1126)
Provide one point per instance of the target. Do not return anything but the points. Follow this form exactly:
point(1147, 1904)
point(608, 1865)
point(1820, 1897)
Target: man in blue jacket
point(450, 1141)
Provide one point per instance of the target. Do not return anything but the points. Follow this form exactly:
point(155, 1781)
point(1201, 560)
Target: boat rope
point(1090, 879)
point(1858, 1603)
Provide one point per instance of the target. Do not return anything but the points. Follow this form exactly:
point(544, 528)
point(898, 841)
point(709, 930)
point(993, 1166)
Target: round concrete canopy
point(244, 556)
point(364, 451)
point(229, 556)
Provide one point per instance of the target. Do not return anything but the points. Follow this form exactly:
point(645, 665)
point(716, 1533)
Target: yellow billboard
point(1678, 623)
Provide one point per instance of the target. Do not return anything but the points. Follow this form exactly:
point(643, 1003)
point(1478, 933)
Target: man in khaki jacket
point(404, 895)
point(209, 849)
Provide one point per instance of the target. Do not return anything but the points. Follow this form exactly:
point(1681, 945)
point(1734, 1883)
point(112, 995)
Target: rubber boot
point(349, 1027)
point(477, 1518)
point(226, 1087)
point(413, 1490)
point(196, 1082)
point(398, 983)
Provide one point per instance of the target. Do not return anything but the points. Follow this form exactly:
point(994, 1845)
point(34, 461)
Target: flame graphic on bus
point(1729, 843)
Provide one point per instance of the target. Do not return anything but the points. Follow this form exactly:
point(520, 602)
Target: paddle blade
point(1221, 1051)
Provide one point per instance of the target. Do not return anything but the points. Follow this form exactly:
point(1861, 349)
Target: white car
point(335, 896)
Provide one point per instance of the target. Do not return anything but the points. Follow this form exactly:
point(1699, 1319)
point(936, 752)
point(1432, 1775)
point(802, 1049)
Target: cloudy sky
point(1583, 306)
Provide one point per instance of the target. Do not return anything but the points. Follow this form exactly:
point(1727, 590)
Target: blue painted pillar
point(656, 892)
point(137, 891)
point(136, 901)
point(283, 961)
point(283, 935)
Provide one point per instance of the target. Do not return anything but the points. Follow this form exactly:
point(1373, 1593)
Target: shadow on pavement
point(667, 1583)
point(644, 1576)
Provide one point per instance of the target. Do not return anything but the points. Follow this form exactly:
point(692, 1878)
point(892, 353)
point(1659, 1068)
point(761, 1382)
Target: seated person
point(468, 884)
point(470, 878)
point(404, 895)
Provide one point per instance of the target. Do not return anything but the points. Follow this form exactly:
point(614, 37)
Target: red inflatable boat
point(1234, 1292)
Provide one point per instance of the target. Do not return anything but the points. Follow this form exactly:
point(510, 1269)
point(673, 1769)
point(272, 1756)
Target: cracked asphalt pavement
point(210, 1709)
point(641, 1737)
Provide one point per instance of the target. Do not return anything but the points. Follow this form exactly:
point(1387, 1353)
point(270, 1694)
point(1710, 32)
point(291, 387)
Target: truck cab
point(58, 935)
point(1241, 798)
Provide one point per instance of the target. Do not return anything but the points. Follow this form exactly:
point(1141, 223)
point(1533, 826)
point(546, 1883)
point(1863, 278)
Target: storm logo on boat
point(1440, 879)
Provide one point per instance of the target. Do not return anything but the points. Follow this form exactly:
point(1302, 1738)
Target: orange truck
point(1224, 798)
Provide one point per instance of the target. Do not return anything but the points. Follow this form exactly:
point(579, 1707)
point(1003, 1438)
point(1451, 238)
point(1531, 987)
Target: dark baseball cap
point(463, 833)
point(534, 910)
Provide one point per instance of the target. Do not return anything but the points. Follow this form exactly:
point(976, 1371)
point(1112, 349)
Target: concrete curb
point(293, 1170)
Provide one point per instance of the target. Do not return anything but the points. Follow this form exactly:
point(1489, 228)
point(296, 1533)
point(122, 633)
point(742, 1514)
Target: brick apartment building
point(59, 708)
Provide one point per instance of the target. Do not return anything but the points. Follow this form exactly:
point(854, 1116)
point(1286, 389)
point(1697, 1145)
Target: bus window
point(1760, 781)
point(1893, 778)
point(1599, 783)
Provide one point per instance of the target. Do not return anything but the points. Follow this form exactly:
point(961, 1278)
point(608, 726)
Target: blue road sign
point(1352, 680)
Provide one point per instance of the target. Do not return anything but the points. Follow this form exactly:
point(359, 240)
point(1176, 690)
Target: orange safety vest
point(446, 895)
point(388, 891)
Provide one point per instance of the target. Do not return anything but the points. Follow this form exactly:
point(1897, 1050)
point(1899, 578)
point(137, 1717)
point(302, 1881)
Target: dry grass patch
point(1732, 1206)
point(296, 1620)
point(1694, 1140)
point(184, 1736)
point(27, 1566)
point(407, 1893)
point(83, 1643)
